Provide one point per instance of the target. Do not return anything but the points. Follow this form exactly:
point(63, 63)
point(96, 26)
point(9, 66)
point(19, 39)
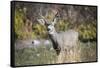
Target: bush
point(87, 31)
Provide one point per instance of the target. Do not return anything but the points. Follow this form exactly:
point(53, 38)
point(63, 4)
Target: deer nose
point(48, 29)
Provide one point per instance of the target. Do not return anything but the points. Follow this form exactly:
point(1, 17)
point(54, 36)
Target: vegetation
point(87, 31)
point(47, 55)
point(34, 56)
point(86, 27)
point(80, 18)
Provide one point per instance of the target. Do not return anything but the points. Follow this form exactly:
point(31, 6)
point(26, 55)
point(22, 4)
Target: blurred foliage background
point(80, 18)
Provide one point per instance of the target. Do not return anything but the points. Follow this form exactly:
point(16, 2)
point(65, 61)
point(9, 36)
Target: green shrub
point(87, 31)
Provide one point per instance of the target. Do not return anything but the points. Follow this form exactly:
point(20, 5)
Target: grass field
point(47, 55)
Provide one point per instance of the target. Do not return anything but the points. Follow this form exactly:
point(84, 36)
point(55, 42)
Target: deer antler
point(43, 17)
point(55, 18)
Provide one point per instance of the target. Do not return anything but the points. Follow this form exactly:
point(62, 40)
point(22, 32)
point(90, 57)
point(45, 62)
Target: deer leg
point(61, 57)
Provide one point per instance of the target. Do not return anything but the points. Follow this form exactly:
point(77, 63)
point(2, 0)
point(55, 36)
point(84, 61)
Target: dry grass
point(46, 55)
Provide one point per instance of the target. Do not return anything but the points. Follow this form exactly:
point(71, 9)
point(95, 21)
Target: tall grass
point(47, 55)
point(35, 56)
point(88, 51)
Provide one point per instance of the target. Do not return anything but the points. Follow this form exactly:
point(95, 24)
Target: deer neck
point(53, 35)
point(53, 38)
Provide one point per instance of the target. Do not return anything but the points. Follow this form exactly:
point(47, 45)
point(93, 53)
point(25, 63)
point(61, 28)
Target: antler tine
point(40, 14)
point(56, 13)
point(54, 19)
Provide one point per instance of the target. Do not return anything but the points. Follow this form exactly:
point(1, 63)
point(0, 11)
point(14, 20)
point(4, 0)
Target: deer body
point(64, 43)
point(64, 40)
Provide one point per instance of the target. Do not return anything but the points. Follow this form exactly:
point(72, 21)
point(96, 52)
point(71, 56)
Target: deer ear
point(41, 21)
point(54, 21)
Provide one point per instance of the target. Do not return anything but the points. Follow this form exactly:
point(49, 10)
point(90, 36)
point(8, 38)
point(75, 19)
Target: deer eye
point(48, 24)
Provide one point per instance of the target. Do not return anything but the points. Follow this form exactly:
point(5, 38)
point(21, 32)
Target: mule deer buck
point(64, 43)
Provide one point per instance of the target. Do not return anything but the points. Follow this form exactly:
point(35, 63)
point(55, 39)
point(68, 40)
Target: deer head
point(49, 25)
